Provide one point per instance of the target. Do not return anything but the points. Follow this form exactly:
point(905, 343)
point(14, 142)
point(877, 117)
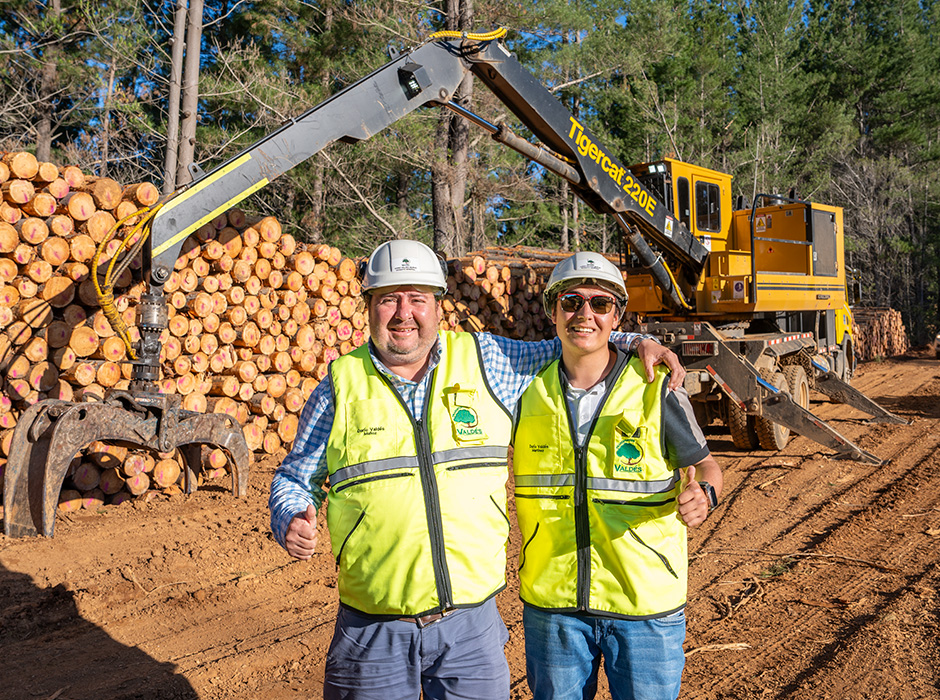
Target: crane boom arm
point(430, 74)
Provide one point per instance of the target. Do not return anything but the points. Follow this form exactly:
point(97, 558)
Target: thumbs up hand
point(301, 540)
point(692, 505)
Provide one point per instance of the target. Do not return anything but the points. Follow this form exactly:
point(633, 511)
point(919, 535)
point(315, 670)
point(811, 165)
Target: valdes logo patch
point(466, 423)
point(629, 456)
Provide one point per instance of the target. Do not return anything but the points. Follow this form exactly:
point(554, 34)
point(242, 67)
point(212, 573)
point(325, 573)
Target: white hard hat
point(399, 263)
point(583, 268)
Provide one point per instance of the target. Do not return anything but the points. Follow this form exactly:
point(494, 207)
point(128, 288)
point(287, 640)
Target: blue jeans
point(643, 658)
point(459, 657)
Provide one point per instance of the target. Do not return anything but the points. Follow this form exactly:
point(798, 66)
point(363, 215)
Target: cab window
point(707, 206)
point(683, 208)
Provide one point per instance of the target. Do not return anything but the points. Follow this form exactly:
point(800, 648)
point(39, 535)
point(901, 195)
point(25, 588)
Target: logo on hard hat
point(629, 455)
point(589, 264)
point(403, 265)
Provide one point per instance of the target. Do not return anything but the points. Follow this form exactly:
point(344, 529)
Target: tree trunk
point(106, 124)
point(563, 243)
point(47, 87)
point(576, 222)
point(451, 143)
point(478, 230)
point(173, 99)
point(440, 188)
point(190, 93)
point(459, 138)
point(403, 186)
point(575, 209)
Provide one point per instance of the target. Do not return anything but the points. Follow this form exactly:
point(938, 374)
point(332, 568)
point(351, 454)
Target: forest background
point(838, 99)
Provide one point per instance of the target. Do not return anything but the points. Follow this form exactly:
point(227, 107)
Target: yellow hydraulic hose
point(675, 284)
point(474, 36)
point(105, 290)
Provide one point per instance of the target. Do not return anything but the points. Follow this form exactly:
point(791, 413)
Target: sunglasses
point(573, 301)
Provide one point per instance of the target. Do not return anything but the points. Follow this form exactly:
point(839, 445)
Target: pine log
point(78, 205)
point(137, 484)
point(41, 205)
point(98, 225)
point(80, 373)
point(166, 472)
point(84, 341)
point(105, 192)
point(143, 193)
point(70, 500)
point(21, 164)
point(57, 187)
point(86, 477)
point(17, 191)
point(8, 270)
point(55, 250)
point(111, 481)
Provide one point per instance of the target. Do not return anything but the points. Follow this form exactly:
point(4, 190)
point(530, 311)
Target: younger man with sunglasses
point(603, 503)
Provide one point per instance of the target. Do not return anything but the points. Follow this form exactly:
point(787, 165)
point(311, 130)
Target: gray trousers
point(459, 657)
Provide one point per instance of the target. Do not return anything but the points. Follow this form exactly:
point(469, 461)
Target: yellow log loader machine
point(753, 300)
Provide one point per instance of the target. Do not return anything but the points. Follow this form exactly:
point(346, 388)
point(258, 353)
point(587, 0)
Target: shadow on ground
point(47, 650)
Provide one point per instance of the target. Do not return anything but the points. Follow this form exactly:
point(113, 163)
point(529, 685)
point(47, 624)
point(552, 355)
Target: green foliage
point(778, 568)
point(836, 98)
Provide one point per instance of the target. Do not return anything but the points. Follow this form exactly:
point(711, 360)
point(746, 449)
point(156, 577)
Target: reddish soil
point(816, 578)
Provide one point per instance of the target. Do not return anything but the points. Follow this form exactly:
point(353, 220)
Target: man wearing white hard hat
point(602, 502)
point(412, 431)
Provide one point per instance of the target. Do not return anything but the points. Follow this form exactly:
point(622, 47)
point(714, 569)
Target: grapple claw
point(50, 433)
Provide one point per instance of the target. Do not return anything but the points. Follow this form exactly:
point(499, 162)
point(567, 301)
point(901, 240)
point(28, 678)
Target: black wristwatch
point(710, 495)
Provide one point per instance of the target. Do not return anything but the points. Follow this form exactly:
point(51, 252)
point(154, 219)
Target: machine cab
point(781, 257)
point(699, 197)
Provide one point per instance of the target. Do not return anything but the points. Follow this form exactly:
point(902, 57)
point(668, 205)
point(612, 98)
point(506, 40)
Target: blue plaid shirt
point(509, 365)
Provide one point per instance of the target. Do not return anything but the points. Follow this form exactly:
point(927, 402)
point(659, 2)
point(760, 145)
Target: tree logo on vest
point(466, 423)
point(629, 456)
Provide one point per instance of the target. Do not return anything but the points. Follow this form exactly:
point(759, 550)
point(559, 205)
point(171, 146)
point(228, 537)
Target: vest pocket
point(501, 511)
point(476, 465)
point(348, 535)
point(659, 555)
point(368, 479)
point(526, 546)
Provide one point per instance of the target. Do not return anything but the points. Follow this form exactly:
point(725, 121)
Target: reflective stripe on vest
point(599, 528)
point(417, 507)
point(459, 455)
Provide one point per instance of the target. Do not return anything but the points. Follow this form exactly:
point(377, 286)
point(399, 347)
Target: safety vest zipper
point(432, 504)
point(432, 501)
point(582, 522)
point(582, 528)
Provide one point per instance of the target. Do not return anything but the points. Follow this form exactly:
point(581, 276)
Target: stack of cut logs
point(879, 332)
point(254, 317)
point(493, 291)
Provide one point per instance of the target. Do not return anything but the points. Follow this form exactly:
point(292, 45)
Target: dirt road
point(815, 579)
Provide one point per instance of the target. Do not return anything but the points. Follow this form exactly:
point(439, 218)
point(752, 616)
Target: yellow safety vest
point(417, 508)
point(599, 525)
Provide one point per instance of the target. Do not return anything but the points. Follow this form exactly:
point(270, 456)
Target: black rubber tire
point(848, 361)
point(798, 385)
point(773, 436)
point(837, 363)
point(741, 427)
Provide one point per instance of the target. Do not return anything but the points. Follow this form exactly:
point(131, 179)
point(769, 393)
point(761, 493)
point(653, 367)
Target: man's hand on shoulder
point(301, 539)
point(652, 353)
